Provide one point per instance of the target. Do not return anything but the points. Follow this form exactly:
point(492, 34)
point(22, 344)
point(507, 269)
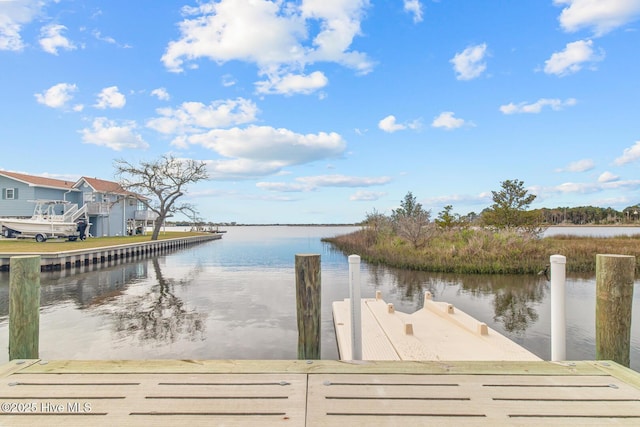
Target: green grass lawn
point(59, 245)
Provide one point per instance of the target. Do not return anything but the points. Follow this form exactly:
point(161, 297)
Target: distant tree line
point(509, 212)
point(589, 215)
point(503, 238)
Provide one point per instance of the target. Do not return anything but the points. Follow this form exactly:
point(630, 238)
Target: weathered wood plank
point(24, 307)
point(15, 366)
point(308, 305)
point(325, 366)
point(623, 373)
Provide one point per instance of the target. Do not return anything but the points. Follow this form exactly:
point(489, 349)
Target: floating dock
point(317, 393)
point(79, 257)
point(438, 331)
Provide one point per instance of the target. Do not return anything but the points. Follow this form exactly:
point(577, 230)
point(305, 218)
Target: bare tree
point(160, 183)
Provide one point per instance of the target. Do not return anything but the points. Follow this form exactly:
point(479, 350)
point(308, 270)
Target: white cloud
point(601, 16)
point(284, 187)
point(366, 196)
point(479, 199)
point(161, 93)
point(572, 58)
point(278, 37)
point(311, 183)
point(57, 96)
point(249, 152)
point(13, 15)
point(194, 117)
point(228, 80)
point(343, 181)
point(578, 166)
point(267, 143)
point(536, 107)
point(110, 97)
point(608, 182)
point(107, 39)
point(389, 124)
point(608, 177)
point(469, 63)
point(414, 7)
point(235, 169)
point(108, 133)
point(51, 39)
point(264, 150)
point(629, 155)
point(290, 84)
point(446, 121)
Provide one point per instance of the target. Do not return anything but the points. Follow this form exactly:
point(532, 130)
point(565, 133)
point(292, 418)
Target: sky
point(324, 111)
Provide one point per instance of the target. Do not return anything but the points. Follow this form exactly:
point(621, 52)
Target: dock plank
point(319, 393)
point(469, 399)
point(375, 345)
point(161, 399)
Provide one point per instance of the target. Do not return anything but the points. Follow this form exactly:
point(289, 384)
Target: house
point(112, 210)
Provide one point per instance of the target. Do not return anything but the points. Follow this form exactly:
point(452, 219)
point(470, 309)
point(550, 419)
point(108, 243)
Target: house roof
point(38, 181)
point(103, 186)
point(98, 185)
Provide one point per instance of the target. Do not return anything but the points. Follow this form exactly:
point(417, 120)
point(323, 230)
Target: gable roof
point(38, 181)
point(98, 185)
point(103, 186)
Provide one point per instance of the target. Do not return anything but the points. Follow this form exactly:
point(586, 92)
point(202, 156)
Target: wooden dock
point(317, 393)
point(100, 255)
point(438, 331)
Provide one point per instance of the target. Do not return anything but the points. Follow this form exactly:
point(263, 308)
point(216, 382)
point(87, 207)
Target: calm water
point(235, 299)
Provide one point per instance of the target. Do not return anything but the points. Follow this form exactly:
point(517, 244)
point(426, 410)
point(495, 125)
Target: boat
point(46, 222)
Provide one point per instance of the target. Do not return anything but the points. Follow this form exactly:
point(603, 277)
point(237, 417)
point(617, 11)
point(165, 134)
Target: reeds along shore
point(480, 251)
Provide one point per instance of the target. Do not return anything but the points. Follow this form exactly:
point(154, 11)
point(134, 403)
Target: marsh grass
point(478, 251)
point(59, 245)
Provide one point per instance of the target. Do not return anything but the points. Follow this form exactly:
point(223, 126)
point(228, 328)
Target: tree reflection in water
point(514, 307)
point(159, 316)
point(515, 297)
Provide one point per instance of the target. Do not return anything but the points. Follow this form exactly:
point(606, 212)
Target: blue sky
point(320, 111)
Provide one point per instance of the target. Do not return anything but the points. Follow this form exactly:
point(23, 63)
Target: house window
point(10, 193)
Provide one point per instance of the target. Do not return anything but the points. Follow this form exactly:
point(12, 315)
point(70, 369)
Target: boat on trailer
point(47, 223)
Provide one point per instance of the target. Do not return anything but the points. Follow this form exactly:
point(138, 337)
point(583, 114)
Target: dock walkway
point(317, 393)
point(99, 255)
point(438, 331)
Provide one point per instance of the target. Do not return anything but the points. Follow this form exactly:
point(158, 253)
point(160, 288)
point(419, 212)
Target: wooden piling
point(24, 307)
point(308, 303)
point(614, 296)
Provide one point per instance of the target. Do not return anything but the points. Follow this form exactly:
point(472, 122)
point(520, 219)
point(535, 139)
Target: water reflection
point(515, 305)
point(235, 299)
point(514, 297)
point(158, 316)
point(86, 287)
point(514, 308)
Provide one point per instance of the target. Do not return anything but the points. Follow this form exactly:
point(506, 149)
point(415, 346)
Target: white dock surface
point(437, 332)
point(318, 393)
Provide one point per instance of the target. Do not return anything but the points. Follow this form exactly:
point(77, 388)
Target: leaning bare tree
point(160, 183)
